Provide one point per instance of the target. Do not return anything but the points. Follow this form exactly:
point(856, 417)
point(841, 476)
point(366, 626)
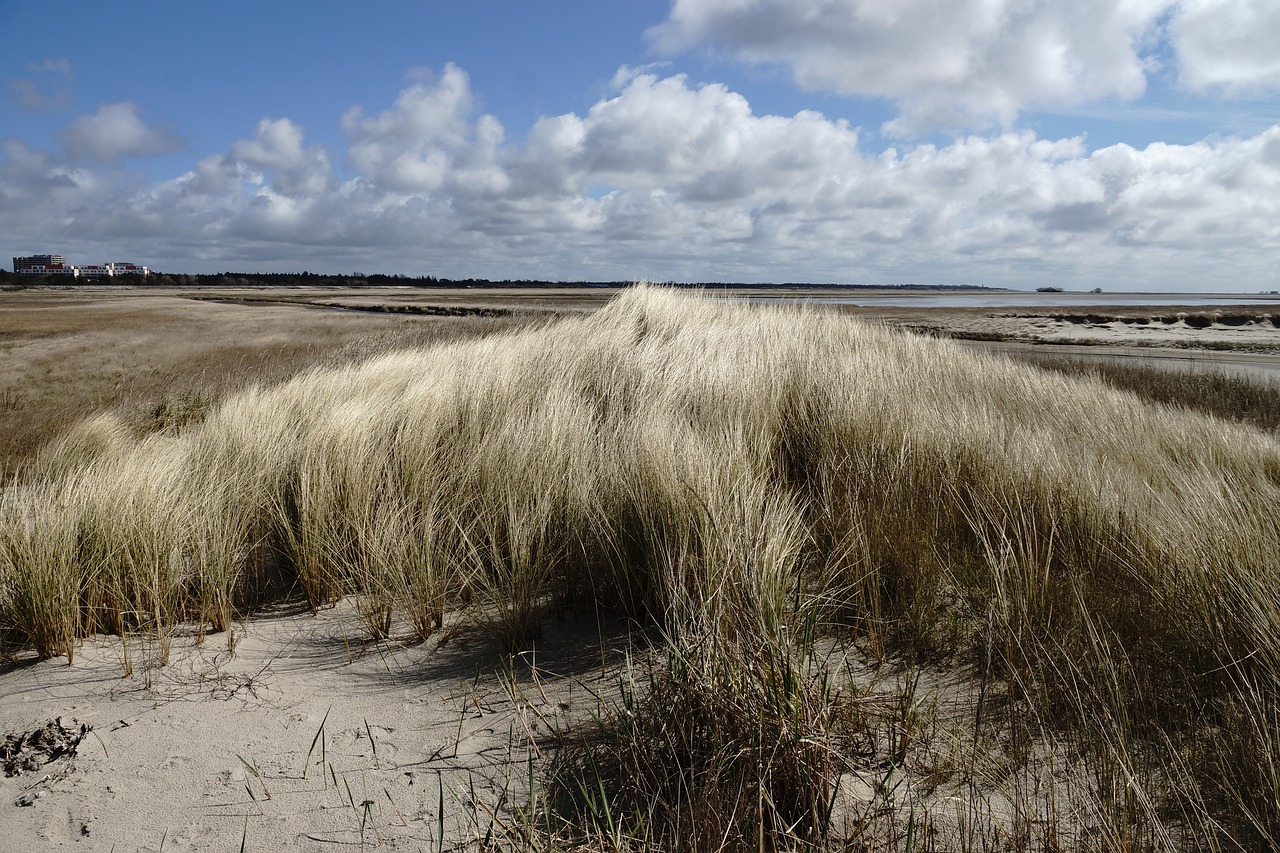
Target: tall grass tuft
point(39, 575)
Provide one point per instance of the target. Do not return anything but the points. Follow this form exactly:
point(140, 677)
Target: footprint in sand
point(357, 741)
point(378, 743)
point(190, 835)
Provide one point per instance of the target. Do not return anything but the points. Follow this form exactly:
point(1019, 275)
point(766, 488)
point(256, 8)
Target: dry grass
point(1236, 398)
point(162, 360)
point(773, 491)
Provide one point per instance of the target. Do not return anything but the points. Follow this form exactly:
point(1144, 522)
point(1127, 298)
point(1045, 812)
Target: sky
point(1123, 144)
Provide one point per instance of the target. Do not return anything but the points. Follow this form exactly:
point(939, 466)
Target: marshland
point(844, 586)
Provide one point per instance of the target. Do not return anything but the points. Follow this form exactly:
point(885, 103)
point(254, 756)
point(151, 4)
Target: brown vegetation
point(161, 360)
point(785, 500)
point(1236, 398)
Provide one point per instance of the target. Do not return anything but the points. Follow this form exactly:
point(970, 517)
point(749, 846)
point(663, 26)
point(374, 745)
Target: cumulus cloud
point(699, 144)
point(955, 64)
point(981, 63)
point(1228, 45)
point(427, 139)
point(266, 187)
point(114, 132)
point(277, 147)
point(670, 180)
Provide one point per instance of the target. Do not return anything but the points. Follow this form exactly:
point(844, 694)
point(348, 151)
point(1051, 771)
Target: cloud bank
point(675, 180)
point(946, 64)
point(980, 63)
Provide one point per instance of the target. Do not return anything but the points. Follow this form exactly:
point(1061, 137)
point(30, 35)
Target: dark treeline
point(310, 279)
point(11, 280)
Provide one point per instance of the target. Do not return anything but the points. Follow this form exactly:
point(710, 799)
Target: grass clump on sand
point(773, 491)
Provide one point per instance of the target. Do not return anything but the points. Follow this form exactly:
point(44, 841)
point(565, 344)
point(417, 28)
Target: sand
point(212, 748)
point(1250, 349)
point(1252, 336)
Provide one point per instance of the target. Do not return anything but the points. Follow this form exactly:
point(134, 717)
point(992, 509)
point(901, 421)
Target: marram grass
point(749, 481)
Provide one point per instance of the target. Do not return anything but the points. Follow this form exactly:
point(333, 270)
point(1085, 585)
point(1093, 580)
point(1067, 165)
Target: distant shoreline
point(276, 280)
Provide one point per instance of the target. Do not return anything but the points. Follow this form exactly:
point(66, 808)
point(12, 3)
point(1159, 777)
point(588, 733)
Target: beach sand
point(216, 747)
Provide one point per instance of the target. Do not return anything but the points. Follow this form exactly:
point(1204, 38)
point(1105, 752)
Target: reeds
point(752, 483)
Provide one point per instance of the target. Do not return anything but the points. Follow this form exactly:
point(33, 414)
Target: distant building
point(125, 268)
point(39, 266)
point(39, 260)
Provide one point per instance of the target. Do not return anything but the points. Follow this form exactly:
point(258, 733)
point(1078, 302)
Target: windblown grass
point(1236, 398)
point(758, 485)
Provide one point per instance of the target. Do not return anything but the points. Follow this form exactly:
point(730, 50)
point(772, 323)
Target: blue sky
point(1127, 145)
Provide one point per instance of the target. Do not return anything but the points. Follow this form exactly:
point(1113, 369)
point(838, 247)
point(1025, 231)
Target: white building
point(124, 268)
point(39, 266)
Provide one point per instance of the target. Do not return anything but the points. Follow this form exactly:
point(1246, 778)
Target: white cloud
point(426, 139)
point(276, 144)
point(982, 63)
point(626, 73)
point(277, 147)
point(674, 181)
point(114, 132)
point(954, 64)
point(702, 144)
point(29, 176)
point(1228, 45)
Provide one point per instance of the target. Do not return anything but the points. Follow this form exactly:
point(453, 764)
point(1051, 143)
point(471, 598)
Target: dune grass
point(1246, 400)
point(772, 492)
